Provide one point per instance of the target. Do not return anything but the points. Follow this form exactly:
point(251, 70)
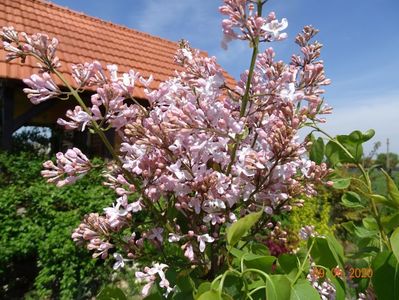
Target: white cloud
point(380, 113)
point(175, 19)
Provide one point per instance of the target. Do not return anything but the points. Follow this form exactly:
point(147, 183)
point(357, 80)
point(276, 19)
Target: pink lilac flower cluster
point(95, 231)
point(70, 166)
point(198, 158)
point(149, 277)
point(41, 86)
point(276, 241)
point(246, 23)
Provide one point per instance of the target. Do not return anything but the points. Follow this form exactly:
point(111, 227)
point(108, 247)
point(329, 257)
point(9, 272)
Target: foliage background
point(37, 219)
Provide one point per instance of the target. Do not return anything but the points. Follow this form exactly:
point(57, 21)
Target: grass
point(379, 182)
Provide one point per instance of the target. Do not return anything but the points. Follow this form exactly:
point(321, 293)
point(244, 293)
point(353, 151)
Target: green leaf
point(368, 135)
point(383, 200)
point(395, 243)
point(203, 287)
point(326, 253)
point(390, 222)
point(370, 223)
point(237, 252)
point(365, 252)
point(278, 287)
point(362, 232)
point(338, 284)
point(210, 295)
point(233, 286)
point(111, 293)
point(304, 291)
point(386, 276)
point(341, 183)
point(289, 264)
point(349, 226)
point(352, 200)
point(335, 246)
point(184, 282)
point(259, 262)
point(261, 249)
point(317, 151)
point(352, 143)
point(393, 191)
point(238, 229)
point(335, 154)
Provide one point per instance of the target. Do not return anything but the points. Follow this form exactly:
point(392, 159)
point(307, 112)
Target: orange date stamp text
point(351, 272)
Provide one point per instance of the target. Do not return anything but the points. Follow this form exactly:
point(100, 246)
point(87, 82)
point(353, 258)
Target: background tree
point(382, 160)
point(368, 160)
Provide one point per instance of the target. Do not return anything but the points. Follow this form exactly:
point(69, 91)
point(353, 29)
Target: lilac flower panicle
point(70, 166)
point(244, 23)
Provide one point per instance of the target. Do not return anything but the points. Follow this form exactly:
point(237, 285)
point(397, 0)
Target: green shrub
point(37, 252)
point(316, 211)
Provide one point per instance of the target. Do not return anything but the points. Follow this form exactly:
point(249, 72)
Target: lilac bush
point(203, 150)
point(202, 156)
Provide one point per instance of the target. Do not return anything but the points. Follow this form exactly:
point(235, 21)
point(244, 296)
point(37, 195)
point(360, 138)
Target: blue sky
point(361, 42)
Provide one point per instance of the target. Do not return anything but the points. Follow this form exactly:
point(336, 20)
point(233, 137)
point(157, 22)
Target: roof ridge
point(99, 20)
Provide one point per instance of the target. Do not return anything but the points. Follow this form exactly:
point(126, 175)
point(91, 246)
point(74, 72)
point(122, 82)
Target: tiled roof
point(83, 39)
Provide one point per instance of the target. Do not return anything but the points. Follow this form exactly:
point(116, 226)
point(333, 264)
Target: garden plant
point(205, 172)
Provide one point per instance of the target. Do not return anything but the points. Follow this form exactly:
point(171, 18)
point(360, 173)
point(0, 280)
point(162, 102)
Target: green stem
point(246, 97)
point(302, 267)
point(257, 289)
point(96, 127)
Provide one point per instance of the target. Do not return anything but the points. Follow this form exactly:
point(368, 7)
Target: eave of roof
point(84, 38)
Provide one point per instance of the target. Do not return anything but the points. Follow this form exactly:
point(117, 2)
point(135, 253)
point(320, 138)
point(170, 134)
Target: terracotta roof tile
point(84, 38)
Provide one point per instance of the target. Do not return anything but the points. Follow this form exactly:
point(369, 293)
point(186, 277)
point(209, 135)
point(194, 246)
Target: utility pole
point(388, 162)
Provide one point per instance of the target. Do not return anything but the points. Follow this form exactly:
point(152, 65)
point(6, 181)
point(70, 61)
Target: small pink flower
point(119, 263)
point(9, 34)
point(202, 239)
point(156, 234)
point(79, 119)
point(149, 276)
point(189, 251)
point(41, 88)
point(275, 27)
